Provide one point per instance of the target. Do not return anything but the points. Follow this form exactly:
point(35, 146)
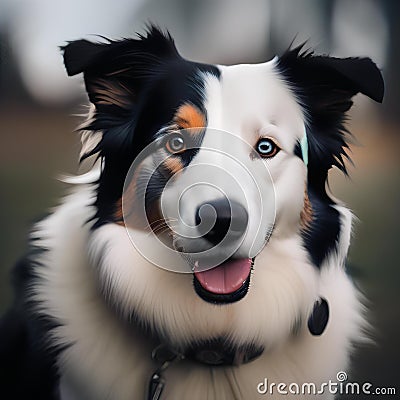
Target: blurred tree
point(392, 72)
point(11, 86)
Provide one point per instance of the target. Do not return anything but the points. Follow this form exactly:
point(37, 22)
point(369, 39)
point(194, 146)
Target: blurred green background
point(37, 101)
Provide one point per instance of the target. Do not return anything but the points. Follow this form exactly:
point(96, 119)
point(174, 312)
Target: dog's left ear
point(353, 75)
point(324, 86)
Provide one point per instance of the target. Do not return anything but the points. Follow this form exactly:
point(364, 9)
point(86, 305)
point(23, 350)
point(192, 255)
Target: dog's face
point(218, 173)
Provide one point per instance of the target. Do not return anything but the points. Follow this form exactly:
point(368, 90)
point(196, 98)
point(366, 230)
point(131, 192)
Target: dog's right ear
point(79, 55)
point(116, 74)
point(115, 71)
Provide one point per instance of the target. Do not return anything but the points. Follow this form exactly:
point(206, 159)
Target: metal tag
point(157, 383)
point(156, 386)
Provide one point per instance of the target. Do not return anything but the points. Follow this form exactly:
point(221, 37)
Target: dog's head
point(221, 170)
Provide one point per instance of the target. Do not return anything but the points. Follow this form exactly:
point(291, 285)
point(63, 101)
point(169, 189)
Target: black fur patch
point(324, 87)
point(319, 318)
point(136, 85)
point(322, 235)
point(27, 357)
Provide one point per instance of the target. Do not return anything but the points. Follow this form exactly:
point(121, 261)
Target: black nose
point(224, 217)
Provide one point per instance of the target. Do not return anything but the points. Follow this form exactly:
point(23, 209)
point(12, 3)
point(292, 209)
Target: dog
point(202, 256)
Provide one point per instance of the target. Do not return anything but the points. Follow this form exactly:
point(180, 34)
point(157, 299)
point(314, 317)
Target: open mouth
point(225, 283)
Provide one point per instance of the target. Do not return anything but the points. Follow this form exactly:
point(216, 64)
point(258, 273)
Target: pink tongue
point(227, 277)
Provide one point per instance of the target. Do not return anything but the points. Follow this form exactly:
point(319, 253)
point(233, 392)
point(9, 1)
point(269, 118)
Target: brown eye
point(175, 144)
point(267, 148)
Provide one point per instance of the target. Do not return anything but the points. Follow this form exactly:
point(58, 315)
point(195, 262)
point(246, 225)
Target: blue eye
point(267, 148)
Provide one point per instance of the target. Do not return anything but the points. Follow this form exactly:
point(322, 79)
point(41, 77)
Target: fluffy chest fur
point(116, 361)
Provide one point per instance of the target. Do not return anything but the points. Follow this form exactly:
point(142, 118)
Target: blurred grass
point(36, 145)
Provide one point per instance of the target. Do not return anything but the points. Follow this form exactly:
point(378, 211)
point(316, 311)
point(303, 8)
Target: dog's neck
point(213, 353)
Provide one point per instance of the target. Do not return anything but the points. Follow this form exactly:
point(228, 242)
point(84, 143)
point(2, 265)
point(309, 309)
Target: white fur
point(117, 363)
point(106, 360)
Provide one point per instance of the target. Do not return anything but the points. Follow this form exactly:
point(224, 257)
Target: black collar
point(214, 353)
point(218, 353)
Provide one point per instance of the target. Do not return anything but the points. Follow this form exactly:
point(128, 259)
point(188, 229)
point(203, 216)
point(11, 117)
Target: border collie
point(202, 254)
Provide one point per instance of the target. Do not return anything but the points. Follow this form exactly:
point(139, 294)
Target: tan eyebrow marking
point(189, 116)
